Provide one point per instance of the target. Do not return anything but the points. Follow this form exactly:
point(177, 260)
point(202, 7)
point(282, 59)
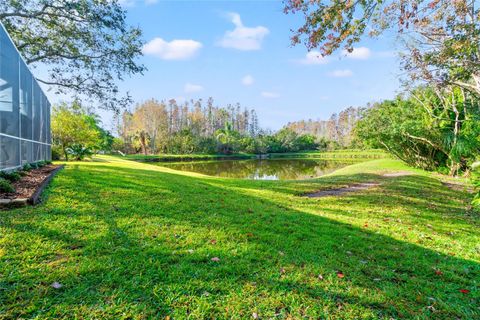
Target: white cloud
point(248, 80)
point(173, 50)
point(314, 57)
point(269, 94)
point(192, 88)
point(243, 38)
point(360, 53)
point(341, 73)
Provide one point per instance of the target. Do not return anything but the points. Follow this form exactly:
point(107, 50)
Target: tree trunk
point(65, 153)
point(454, 168)
point(143, 143)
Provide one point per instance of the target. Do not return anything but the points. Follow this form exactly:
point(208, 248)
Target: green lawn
point(133, 240)
point(337, 154)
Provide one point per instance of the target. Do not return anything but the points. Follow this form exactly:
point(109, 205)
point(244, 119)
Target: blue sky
point(239, 51)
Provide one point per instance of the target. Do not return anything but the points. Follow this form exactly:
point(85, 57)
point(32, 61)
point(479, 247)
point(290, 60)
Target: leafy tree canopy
point(437, 130)
point(440, 37)
point(86, 45)
point(73, 128)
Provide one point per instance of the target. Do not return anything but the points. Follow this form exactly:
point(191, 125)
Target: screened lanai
point(24, 111)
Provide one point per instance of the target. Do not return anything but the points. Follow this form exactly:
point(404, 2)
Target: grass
point(132, 240)
point(337, 154)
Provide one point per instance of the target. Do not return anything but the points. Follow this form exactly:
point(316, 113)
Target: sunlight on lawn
point(132, 238)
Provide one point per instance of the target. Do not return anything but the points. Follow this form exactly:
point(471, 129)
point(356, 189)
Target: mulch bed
point(26, 187)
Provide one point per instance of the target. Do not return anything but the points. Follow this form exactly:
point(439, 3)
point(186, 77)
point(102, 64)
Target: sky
point(240, 51)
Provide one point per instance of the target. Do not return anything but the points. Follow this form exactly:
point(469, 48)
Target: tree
point(227, 138)
point(79, 152)
point(142, 137)
point(444, 50)
point(428, 129)
point(476, 183)
point(71, 125)
point(151, 117)
point(338, 129)
point(86, 45)
point(441, 36)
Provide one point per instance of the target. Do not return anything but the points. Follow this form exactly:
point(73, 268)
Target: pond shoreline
point(339, 154)
point(263, 169)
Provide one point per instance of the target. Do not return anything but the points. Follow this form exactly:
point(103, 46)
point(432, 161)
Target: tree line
point(156, 127)
point(199, 126)
point(337, 131)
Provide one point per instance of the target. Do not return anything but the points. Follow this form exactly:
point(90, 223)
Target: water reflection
point(265, 169)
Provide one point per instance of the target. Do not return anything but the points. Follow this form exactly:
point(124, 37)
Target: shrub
point(5, 186)
point(27, 167)
point(56, 153)
point(79, 152)
point(476, 183)
point(10, 176)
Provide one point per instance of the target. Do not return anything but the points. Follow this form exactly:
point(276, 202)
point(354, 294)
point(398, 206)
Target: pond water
point(262, 169)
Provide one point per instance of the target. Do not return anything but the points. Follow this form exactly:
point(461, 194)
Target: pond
point(262, 169)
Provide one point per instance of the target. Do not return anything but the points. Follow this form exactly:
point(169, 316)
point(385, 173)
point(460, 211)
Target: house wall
point(25, 135)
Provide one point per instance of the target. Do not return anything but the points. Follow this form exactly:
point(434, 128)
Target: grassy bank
point(125, 239)
point(186, 157)
point(338, 154)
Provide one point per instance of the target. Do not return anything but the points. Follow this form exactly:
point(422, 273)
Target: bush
point(22, 173)
point(5, 186)
point(27, 167)
point(56, 153)
point(79, 152)
point(476, 183)
point(10, 176)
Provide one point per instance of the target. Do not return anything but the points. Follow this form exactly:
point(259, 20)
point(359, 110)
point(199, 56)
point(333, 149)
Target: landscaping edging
point(35, 198)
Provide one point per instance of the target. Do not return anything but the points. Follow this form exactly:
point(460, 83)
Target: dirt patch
point(340, 191)
point(356, 187)
point(28, 184)
point(368, 185)
point(397, 174)
point(458, 187)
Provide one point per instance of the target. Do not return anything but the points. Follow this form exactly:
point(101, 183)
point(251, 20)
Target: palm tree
point(226, 137)
point(142, 138)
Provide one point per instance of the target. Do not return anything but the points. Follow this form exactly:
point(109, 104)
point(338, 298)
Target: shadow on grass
point(144, 241)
